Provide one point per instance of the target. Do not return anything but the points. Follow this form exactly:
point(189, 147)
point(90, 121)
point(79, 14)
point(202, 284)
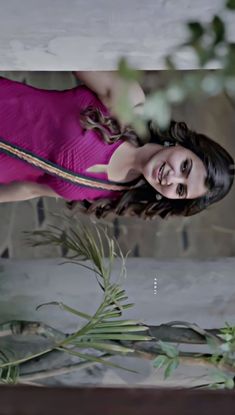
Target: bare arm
point(19, 191)
point(108, 86)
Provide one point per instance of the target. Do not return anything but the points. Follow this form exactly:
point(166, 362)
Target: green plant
point(169, 360)
point(105, 333)
point(219, 358)
point(209, 44)
point(104, 330)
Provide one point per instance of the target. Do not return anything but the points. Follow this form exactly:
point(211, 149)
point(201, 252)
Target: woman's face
point(176, 173)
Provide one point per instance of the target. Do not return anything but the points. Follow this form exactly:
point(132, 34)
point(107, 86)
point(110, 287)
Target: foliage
point(103, 331)
point(209, 44)
point(170, 360)
point(221, 355)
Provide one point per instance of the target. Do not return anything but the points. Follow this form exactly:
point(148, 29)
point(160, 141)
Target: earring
point(158, 196)
point(168, 144)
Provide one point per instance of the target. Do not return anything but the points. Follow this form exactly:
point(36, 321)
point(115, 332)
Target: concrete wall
point(93, 34)
point(196, 291)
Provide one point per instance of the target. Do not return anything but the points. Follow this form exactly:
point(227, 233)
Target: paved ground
point(209, 234)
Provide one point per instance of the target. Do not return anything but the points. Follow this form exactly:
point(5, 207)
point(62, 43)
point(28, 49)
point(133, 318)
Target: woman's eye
point(184, 166)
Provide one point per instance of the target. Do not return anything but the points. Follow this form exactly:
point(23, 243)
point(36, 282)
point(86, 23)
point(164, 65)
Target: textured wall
point(194, 291)
point(92, 34)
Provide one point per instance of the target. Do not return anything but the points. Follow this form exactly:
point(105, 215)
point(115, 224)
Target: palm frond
point(101, 331)
point(64, 307)
point(10, 373)
point(92, 358)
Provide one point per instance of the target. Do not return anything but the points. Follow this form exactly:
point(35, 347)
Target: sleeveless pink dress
point(47, 123)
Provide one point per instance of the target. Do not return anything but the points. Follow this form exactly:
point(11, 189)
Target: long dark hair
point(143, 201)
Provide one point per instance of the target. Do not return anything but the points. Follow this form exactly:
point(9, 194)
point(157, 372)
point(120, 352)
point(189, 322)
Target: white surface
point(93, 34)
point(197, 291)
point(193, 291)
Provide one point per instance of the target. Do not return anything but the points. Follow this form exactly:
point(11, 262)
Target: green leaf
point(215, 359)
point(119, 336)
point(230, 4)
point(204, 54)
point(176, 93)
point(212, 84)
point(88, 357)
point(192, 82)
point(169, 349)
point(123, 107)
point(225, 347)
point(227, 337)
point(160, 361)
point(111, 348)
point(9, 375)
point(116, 329)
point(117, 323)
point(212, 344)
point(169, 63)
point(218, 376)
point(229, 384)
point(196, 30)
point(230, 64)
point(174, 363)
point(66, 308)
point(157, 108)
point(126, 72)
point(218, 28)
point(111, 314)
point(126, 306)
point(216, 386)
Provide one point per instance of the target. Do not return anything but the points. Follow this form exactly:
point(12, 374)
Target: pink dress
point(47, 123)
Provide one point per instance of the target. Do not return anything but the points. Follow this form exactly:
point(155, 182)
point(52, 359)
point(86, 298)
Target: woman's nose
point(172, 178)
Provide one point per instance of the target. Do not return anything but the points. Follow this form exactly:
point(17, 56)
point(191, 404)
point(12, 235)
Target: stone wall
point(199, 292)
point(93, 34)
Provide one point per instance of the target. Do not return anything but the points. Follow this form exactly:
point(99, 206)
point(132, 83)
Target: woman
point(176, 172)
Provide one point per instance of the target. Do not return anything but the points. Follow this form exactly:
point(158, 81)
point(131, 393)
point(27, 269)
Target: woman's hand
point(19, 191)
point(108, 86)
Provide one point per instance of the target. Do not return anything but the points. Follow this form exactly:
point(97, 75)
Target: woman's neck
point(127, 161)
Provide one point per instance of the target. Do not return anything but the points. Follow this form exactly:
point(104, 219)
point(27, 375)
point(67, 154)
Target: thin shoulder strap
point(55, 170)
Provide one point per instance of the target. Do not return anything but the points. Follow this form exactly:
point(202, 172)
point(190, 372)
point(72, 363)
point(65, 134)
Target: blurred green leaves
point(221, 380)
point(208, 41)
point(218, 28)
point(158, 108)
point(196, 31)
point(230, 4)
point(127, 73)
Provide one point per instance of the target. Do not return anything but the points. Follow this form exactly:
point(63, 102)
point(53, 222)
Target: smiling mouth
point(160, 173)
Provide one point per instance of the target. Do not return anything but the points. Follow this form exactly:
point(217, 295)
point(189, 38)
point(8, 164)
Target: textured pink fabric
point(47, 123)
